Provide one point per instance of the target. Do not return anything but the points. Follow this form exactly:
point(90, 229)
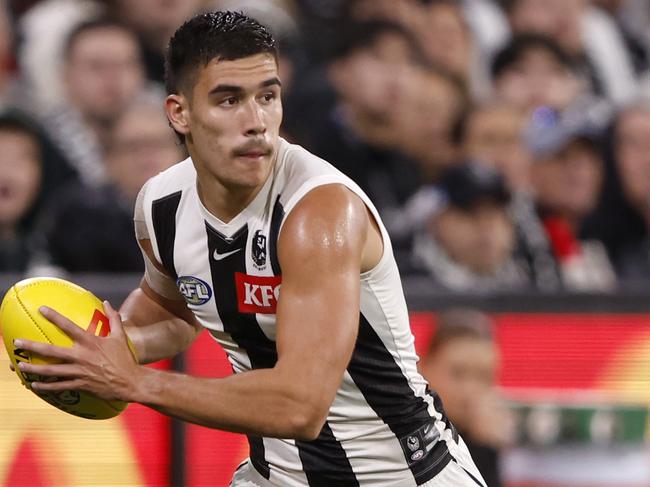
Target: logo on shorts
point(413, 443)
point(259, 249)
point(194, 290)
point(417, 455)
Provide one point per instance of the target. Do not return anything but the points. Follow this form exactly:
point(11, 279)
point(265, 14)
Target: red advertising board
point(42, 447)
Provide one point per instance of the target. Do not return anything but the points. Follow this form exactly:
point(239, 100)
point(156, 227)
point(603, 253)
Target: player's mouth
point(253, 155)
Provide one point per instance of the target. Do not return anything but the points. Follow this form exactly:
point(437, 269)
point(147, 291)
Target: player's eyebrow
point(235, 89)
point(270, 82)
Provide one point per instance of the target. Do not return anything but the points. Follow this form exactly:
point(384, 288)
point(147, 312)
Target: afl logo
point(417, 455)
point(194, 290)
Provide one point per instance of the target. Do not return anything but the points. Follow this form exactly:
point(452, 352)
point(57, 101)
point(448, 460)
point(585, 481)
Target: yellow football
point(20, 318)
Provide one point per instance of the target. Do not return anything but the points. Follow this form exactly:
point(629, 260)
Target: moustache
point(255, 146)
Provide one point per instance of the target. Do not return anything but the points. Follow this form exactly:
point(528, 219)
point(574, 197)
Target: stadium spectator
point(468, 236)
point(359, 133)
point(632, 146)
point(12, 89)
point(447, 40)
point(462, 363)
point(154, 21)
point(493, 134)
point(587, 34)
point(91, 229)
point(42, 31)
point(442, 32)
point(433, 101)
point(30, 171)
point(632, 18)
point(533, 71)
point(102, 73)
point(567, 176)
point(623, 218)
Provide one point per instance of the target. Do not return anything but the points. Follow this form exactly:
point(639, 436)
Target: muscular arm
point(321, 251)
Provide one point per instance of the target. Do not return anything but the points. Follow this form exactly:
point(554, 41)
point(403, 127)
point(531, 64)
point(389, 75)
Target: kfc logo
point(257, 294)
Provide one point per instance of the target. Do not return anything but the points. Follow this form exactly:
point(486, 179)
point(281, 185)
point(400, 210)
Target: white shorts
point(460, 472)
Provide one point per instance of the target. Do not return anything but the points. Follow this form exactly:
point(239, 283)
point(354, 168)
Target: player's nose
point(254, 123)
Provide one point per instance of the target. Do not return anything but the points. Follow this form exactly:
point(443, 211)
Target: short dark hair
point(90, 25)
point(213, 35)
point(357, 35)
point(521, 45)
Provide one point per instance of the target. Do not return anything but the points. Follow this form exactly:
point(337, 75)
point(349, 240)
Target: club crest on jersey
point(194, 290)
point(257, 294)
point(259, 250)
point(413, 443)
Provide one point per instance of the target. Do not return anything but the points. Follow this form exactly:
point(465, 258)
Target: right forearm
point(157, 341)
point(155, 332)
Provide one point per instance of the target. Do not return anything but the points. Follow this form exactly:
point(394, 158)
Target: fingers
point(45, 349)
point(115, 320)
point(11, 366)
point(75, 332)
point(49, 370)
point(57, 386)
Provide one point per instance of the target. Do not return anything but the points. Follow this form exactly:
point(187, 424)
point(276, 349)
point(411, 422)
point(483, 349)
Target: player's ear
point(176, 107)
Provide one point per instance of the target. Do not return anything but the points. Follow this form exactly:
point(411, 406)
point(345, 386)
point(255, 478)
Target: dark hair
point(90, 25)
point(470, 183)
point(214, 35)
point(521, 45)
point(459, 323)
point(355, 36)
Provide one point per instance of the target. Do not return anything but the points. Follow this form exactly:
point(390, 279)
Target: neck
point(222, 200)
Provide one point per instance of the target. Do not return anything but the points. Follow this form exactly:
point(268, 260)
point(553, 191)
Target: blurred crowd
point(506, 143)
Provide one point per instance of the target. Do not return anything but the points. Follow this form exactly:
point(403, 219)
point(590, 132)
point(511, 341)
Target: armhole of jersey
point(143, 220)
point(334, 179)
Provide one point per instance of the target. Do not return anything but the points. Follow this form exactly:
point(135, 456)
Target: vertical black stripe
point(243, 328)
point(388, 393)
point(163, 213)
point(325, 462)
point(276, 221)
point(324, 458)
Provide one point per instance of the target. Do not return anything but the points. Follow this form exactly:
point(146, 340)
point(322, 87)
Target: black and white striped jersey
point(384, 428)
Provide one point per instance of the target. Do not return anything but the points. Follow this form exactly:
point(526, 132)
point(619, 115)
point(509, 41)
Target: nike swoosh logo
point(218, 256)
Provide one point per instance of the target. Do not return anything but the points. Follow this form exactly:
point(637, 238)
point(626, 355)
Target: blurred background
point(506, 144)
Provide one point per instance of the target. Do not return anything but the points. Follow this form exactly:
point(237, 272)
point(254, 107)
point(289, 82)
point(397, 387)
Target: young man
point(326, 386)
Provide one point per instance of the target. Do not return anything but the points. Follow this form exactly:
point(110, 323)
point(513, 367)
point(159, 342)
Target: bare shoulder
point(329, 216)
point(334, 224)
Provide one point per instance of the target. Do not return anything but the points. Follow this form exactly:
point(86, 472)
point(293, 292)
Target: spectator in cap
point(493, 134)
point(567, 176)
point(467, 236)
